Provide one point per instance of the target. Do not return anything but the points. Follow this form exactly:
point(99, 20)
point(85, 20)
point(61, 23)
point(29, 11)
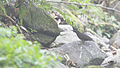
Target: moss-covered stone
point(44, 28)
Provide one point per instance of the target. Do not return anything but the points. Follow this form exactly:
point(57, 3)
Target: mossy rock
point(44, 28)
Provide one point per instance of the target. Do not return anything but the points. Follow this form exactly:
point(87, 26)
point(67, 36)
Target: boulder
point(81, 54)
point(112, 61)
point(62, 66)
point(66, 36)
point(44, 29)
point(103, 43)
point(115, 40)
point(65, 27)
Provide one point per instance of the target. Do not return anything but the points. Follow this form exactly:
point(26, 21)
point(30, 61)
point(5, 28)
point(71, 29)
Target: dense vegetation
point(92, 17)
point(16, 52)
point(19, 53)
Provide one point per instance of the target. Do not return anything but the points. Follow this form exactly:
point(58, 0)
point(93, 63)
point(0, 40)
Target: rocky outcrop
point(81, 54)
point(43, 28)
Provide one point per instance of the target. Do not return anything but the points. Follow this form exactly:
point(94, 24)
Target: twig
point(96, 5)
point(116, 5)
point(8, 17)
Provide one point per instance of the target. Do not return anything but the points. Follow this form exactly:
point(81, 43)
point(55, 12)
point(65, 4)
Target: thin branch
point(8, 17)
point(96, 5)
point(116, 5)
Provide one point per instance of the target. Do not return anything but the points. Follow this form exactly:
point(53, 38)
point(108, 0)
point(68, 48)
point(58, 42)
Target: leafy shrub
point(15, 52)
point(95, 18)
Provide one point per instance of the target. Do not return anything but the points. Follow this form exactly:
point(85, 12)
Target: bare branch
point(96, 5)
point(116, 4)
point(8, 17)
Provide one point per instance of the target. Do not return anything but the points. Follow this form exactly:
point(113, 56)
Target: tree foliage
point(97, 19)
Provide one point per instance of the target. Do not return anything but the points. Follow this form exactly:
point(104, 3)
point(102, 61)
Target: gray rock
point(65, 27)
point(101, 43)
point(82, 55)
point(115, 40)
point(106, 40)
point(66, 36)
point(62, 66)
point(112, 61)
point(43, 28)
